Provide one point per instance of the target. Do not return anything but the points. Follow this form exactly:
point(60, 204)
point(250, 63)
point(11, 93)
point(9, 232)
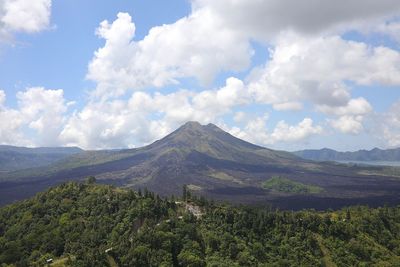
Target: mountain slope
point(96, 225)
point(326, 154)
point(215, 164)
point(17, 158)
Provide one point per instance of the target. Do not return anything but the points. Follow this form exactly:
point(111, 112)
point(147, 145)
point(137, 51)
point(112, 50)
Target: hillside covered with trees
point(85, 224)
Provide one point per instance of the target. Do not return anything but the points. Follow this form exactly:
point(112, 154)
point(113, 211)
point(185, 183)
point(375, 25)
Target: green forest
point(86, 224)
point(282, 184)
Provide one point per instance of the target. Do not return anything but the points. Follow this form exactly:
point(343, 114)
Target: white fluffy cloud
point(356, 106)
point(10, 123)
point(107, 124)
point(285, 132)
point(316, 69)
point(25, 16)
point(146, 117)
point(221, 101)
point(256, 131)
point(388, 126)
point(138, 120)
point(348, 124)
point(43, 111)
point(194, 46)
point(40, 110)
point(350, 117)
point(216, 37)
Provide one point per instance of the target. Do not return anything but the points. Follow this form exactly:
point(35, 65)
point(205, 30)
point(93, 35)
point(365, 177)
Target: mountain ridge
point(14, 158)
point(326, 154)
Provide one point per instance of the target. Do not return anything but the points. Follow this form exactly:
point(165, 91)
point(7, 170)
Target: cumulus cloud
point(10, 123)
point(388, 125)
point(216, 37)
point(350, 117)
point(256, 131)
point(105, 125)
point(316, 69)
point(194, 46)
point(131, 122)
point(43, 111)
point(10, 132)
point(221, 101)
point(23, 16)
point(145, 117)
point(285, 132)
point(40, 110)
point(348, 124)
point(356, 106)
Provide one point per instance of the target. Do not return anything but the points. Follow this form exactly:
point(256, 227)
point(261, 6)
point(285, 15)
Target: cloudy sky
point(280, 73)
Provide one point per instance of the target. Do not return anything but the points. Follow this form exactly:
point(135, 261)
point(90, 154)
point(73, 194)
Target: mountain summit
point(214, 163)
point(208, 139)
point(201, 156)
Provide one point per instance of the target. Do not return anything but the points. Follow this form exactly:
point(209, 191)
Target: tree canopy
point(85, 224)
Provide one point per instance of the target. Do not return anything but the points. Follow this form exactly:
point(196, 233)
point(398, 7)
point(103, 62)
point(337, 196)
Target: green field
point(281, 184)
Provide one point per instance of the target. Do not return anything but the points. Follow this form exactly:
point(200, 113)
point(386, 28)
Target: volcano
point(213, 163)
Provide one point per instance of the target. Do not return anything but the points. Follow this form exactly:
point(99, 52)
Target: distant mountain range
point(326, 154)
point(14, 158)
point(215, 164)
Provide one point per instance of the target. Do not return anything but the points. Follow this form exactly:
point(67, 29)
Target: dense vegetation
point(281, 184)
point(75, 224)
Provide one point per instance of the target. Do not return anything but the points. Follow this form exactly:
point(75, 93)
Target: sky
point(283, 74)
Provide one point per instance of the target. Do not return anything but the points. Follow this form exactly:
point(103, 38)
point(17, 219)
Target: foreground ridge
point(78, 224)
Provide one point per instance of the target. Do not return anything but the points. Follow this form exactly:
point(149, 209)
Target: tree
point(190, 259)
point(91, 180)
point(184, 192)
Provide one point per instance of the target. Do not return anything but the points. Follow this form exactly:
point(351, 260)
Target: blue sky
point(110, 74)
